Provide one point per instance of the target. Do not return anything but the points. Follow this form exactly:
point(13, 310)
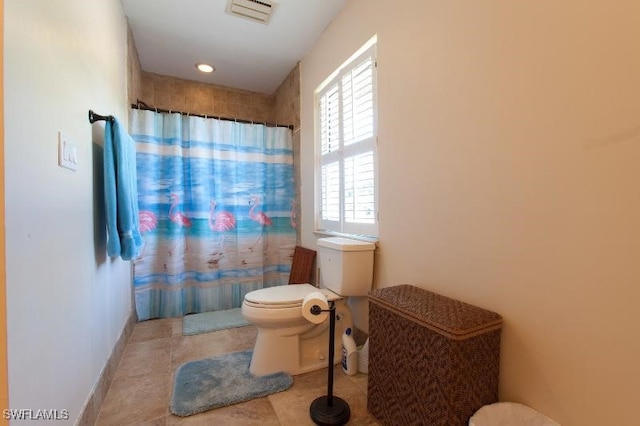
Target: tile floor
point(141, 388)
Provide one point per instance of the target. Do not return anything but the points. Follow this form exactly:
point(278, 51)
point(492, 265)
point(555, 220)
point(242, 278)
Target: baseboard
point(89, 413)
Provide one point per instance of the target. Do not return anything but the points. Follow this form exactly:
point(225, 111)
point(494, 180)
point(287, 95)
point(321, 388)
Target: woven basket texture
point(433, 360)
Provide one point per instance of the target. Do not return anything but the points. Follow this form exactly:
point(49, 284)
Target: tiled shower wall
point(190, 96)
point(165, 92)
point(287, 110)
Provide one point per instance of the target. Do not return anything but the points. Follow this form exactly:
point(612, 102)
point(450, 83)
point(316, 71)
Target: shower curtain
point(216, 201)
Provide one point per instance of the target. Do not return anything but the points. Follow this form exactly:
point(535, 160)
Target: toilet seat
point(285, 296)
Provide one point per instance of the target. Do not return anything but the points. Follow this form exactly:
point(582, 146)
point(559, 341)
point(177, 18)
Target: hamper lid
point(442, 314)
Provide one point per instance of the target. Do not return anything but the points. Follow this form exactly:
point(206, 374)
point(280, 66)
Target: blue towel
point(121, 192)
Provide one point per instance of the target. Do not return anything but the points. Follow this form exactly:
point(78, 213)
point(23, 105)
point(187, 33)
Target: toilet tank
point(346, 266)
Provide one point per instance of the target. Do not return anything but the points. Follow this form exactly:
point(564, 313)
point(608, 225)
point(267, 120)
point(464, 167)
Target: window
point(346, 172)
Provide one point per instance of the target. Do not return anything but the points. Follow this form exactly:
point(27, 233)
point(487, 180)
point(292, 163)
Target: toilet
point(286, 341)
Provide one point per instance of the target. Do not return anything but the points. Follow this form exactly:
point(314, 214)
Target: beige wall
point(67, 302)
point(4, 387)
point(509, 155)
point(134, 70)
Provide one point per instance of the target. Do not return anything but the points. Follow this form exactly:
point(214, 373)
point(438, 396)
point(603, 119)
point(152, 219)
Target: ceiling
point(171, 36)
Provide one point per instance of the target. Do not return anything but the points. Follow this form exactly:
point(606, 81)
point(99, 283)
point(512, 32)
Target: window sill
point(367, 238)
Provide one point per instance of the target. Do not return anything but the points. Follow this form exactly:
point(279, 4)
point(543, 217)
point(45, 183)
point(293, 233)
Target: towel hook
point(93, 117)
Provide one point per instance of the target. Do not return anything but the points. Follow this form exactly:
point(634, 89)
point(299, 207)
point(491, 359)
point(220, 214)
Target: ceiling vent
point(256, 10)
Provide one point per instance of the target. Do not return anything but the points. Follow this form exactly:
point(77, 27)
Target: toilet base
point(298, 350)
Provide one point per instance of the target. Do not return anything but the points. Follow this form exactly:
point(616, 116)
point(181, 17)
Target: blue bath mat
point(217, 382)
point(213, 321)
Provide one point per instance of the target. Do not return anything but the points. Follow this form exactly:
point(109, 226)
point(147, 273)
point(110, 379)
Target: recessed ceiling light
point(205, 68)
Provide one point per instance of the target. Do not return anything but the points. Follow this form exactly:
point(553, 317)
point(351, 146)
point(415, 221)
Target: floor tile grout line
point(177, 349)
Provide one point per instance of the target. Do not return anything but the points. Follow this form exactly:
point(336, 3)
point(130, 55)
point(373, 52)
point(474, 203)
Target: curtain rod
point(143, 106)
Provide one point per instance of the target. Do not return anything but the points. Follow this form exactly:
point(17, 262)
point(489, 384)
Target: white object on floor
point(509, 414)
point(349, 354)
point(363, 358)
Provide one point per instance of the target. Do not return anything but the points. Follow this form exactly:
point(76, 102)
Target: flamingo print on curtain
point(215, 200)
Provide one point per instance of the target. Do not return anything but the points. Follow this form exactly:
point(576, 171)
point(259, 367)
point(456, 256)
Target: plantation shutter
point(347, 134)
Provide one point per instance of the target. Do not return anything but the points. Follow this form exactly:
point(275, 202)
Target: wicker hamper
point(433, 360)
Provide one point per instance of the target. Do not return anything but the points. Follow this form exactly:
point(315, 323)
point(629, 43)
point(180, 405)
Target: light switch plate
point(67, 153)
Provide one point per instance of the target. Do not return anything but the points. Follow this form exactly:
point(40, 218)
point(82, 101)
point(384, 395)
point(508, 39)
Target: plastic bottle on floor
point(363, 358)
point(349, 353)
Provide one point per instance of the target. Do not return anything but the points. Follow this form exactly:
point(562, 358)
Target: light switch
point(67, 153)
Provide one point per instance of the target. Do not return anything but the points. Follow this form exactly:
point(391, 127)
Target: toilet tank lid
point(346, 244)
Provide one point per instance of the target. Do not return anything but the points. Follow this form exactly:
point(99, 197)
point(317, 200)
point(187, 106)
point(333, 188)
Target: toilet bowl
point(286, 341)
